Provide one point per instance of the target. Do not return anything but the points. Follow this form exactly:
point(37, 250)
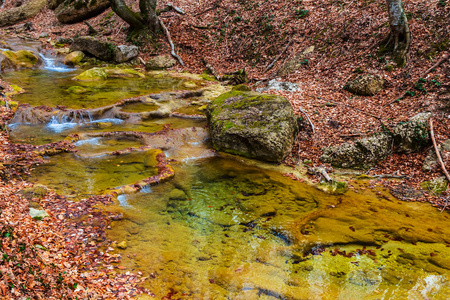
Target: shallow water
point(39, 90)
point(230, 231)
point(229, 228)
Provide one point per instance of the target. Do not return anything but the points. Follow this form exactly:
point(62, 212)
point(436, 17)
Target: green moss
point(207, 76)
point(437, 185)
point(335, 187)
point(77, 90)
point(241, 87)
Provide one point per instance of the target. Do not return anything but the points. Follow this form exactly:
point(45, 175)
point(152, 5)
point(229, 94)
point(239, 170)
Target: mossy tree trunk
point(146, 19)
point(400, 36)
point(23, 12)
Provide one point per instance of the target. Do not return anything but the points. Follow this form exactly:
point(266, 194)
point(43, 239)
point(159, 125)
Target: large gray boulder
point(125, 53)
point(251, 124)
point(412, 136)
point(365, 85)
point(102, 50)
point(70, 11)
point(363, 153)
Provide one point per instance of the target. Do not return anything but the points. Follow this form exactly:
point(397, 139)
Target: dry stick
point(309, 120)
point(438, 154)
point(177, 9)
point(436, 64)
point(279, 56)
point(166, 31)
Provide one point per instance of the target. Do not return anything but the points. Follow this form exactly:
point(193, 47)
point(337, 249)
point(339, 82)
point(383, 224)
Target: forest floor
point(232, 35)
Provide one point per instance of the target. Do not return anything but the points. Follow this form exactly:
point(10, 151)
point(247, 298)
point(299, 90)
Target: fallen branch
point(166, 31)
point(177, 9)
point(436, 149)
point(279, 56)
point(211, 69)
point(307, 117)
point(436, 64)
point(91, 30)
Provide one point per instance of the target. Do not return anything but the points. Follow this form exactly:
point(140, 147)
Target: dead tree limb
point(17, 14)
point(309, 120)
point(436, 64)
point(166, 31)
point(176, 9)
point(436, 149)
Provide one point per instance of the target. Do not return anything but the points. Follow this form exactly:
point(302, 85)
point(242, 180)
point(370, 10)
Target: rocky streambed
point(201, 224)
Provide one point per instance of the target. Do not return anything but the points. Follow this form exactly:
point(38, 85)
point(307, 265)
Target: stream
point(223, 227)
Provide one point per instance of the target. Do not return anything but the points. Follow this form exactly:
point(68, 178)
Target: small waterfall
point(59, 125)
point(51, 64)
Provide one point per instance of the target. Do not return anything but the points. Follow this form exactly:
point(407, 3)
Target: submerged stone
point(251, 124)
point(95, 74)
point(334, 187)
point(74, 58)
point(122, 245)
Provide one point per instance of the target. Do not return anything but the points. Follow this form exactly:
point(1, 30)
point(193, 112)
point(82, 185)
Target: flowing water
point(226, 227)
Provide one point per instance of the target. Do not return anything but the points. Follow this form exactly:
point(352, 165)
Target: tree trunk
point(146, 19)
point(400, 35)
point(18, 14)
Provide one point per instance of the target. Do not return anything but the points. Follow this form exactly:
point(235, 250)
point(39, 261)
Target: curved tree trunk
point(146, 19)
point(18, 14)
point(400, 35)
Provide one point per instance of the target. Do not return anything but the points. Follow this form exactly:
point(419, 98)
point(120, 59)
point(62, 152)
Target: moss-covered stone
point(437, 185)
point(412, 136)
point(241, 87)
point(74, 58)
point(22, 59)
point(362, 153)
point(92, 75)
point(252, 124)
point(365, 85)
point(105, 73)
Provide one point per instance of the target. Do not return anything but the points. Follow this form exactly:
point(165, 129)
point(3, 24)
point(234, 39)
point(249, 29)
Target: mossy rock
point(22, 59)
point(119, 72)
point(437, 185)
point(13, 105)
point(412, 136)
point(177, 194)
point(36, 191)
point(251, 124)
point(74, 58)
point(241, 87)
point(208, 76)
point(363, 153)
point(92, 75)
point(100, 49)
point(365, 85)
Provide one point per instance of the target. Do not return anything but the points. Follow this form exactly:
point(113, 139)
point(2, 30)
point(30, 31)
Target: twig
point(279, 56)
point(212, 69)
point(307, 117)
point(436, 64)
point(177, 9)
point(438, 154)
point(91, 30)
point(166, 31)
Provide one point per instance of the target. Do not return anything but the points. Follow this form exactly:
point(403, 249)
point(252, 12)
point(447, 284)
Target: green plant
point(301, 13)
point(436, 83)
point(442, 2)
